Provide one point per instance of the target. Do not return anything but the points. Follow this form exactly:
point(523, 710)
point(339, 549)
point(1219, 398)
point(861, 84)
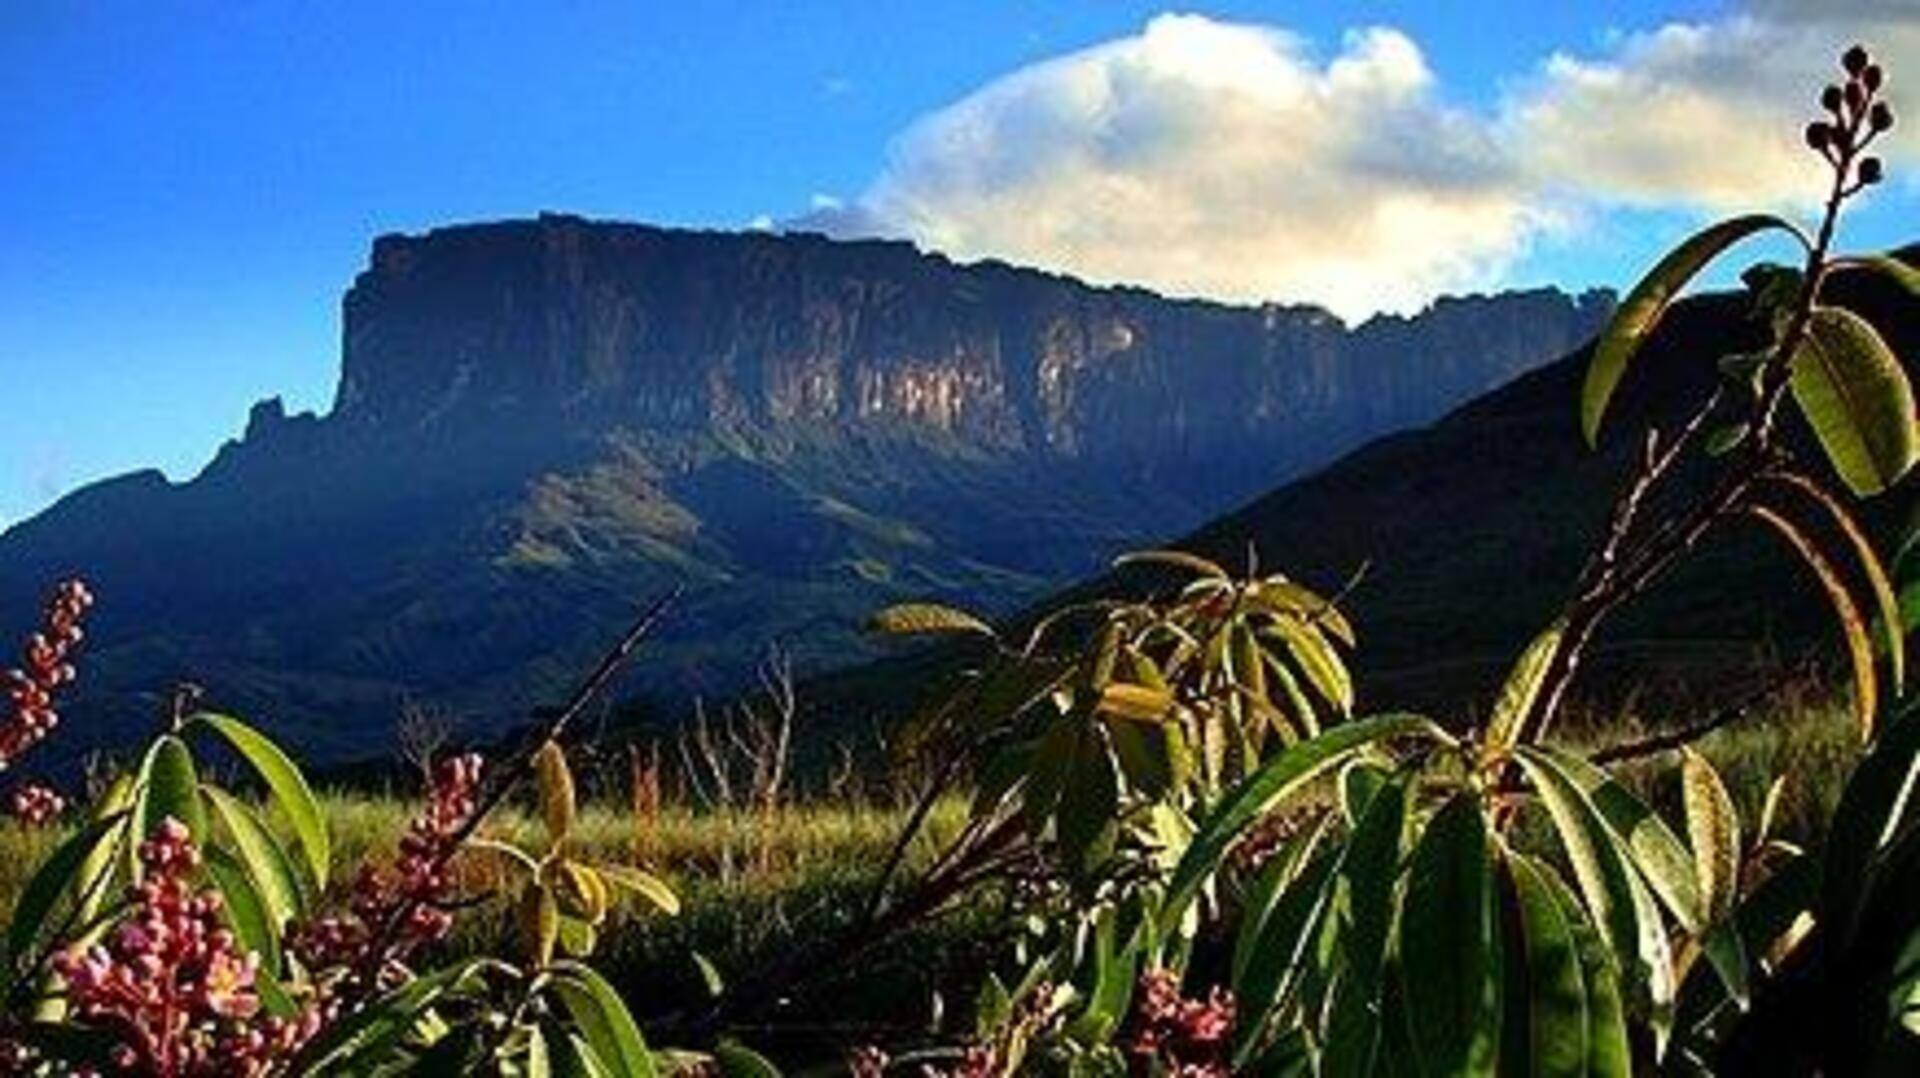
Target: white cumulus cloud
point(1705, 115)
point(1231, 160)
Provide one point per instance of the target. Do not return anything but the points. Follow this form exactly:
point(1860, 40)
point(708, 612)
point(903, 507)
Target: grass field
point(753, 885)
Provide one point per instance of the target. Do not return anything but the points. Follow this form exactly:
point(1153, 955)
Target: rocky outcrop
point(539, 421)
point(592, 325)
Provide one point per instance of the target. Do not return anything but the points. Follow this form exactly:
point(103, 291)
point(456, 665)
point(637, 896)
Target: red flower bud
point(1870, 172)
point(1872, 77)
point(1881, 118)
point(1830, 99)
point(1855, 60)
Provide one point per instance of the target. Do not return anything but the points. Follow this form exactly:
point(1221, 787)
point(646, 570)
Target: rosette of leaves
point(563, 901)
point(1112, 709)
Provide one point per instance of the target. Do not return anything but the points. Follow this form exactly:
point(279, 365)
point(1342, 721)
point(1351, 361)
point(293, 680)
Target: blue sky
point(187, 188)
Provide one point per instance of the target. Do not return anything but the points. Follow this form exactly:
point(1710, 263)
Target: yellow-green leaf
point(1191, 562)
point(1856, 397)
point(554, 780)
point(644, 884)
point(287, 785)
point(1892, 624)
point(262, 855)
point(1866, 694)
point(1318, 660)
point(1137, 702)
point(1634, 322)
point(1522, 686)
point(538, 917)
point(169, 789)
point(1713, 830)
point(910, 619)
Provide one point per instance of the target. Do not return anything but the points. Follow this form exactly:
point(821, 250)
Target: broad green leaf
point(1269, 886)
point(266, 862)
point(99, 866)
point(603, 1020)
point(1725, 438)
point(554, 782)
point(1608, 1054)
point(736, 1060)
point(1369, 869)
point(1623, 913)
point(1360, 780)
point(169, 788)
point(1659, 855)
point(514, 854)
point(1363, 903)
point(1284, 774)
point(353, 1043)
point(1450, 944)
point(1636, 318)
point(288, 786)
point(1193, 563)
point(1047, 771)
point(1866, 693)
point(1556, 999)
point(245, 911)
point(911, 619)
point(1856, 396)
point(62, 873)
point(1522, 686)
point(1713, 829)
point(1276, 962)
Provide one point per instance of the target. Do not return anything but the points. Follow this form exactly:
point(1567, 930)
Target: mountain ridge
point(539, 422)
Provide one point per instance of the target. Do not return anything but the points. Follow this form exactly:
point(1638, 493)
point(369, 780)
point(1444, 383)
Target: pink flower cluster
point(417, 888)
point(35, 804)
point(27, 715)
point(1179, 1037)
point(170, 980)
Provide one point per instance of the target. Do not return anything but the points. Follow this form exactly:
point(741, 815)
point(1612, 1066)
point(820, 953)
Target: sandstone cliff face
point(597, 325)
point(539, 422)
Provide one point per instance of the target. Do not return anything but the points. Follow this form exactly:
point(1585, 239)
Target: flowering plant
point(186, 930)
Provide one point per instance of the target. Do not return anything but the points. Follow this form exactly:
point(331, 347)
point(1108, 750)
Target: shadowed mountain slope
point(541, 423)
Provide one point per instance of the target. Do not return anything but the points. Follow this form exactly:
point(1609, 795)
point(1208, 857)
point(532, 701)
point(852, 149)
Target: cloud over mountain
point(1234, 160)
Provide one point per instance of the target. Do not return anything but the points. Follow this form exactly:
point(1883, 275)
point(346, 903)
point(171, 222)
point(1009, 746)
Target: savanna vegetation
point(1146, 837)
